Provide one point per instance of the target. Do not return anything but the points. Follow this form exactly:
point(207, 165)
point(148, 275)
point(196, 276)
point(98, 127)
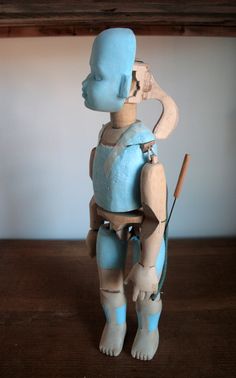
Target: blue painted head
point(107, 86)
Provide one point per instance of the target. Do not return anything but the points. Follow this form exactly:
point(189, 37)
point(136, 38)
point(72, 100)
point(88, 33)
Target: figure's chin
point(88, 106)
point(99, 109)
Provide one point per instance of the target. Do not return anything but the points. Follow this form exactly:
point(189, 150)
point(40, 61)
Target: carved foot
point(112, 339)
point(145, 344)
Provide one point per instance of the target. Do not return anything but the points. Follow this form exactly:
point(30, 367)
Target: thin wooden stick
point(179, 184)
point(177, 192)
point(182, 175)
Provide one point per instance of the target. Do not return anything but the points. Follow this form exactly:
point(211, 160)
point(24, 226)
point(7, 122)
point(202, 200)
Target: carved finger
point(135, 293)
point(142, 295)
point(147, 295)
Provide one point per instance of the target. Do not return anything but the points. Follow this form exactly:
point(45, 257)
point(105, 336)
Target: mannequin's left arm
point(153, 196)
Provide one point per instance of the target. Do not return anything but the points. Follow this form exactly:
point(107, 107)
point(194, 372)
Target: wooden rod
point(182, 175)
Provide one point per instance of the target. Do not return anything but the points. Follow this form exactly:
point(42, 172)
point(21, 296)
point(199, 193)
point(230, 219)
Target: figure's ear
point(125, 84)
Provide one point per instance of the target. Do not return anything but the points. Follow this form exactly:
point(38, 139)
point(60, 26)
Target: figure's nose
point(85, 83)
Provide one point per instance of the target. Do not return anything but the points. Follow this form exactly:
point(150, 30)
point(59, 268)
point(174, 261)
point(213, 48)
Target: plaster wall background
point(46, 134)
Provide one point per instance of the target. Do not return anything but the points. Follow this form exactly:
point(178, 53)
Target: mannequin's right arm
point(95, 219)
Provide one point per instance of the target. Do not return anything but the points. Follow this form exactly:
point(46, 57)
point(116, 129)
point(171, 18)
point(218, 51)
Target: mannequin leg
point(148, 313)
point(111, 255)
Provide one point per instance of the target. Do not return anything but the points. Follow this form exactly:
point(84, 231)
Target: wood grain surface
point(88, 17)
point(51, 320)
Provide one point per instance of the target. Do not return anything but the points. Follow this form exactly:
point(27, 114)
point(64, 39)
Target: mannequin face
point(108, 84)
point(101, 87)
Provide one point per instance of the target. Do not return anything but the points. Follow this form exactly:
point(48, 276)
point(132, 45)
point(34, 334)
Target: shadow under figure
point(129, 201)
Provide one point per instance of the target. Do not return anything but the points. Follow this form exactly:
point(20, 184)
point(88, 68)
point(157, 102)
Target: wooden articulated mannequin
point(147, 223)
point(129, 201)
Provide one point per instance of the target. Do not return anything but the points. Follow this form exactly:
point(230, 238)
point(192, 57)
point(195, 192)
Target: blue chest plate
point(117, 170)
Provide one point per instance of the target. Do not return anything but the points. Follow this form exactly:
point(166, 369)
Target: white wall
point(46, 133)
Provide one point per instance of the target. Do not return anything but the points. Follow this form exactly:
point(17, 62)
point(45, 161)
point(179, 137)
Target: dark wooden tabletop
point(51, 319)
point(88, 17)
